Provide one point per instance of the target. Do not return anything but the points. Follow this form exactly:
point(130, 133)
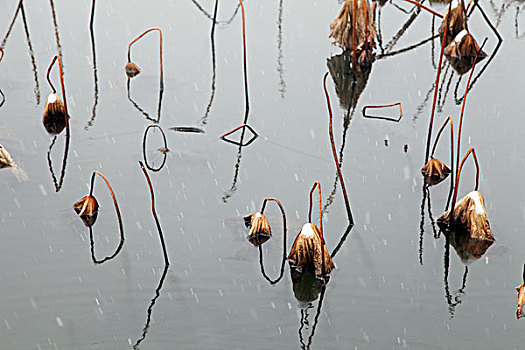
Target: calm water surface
point(390, 289)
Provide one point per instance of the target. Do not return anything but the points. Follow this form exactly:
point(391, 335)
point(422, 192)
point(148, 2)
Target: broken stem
point(284, 242)
point(465, 99)
point(425, 8)
point(144, 147)
point(458, 174)
point(160, 52)
point(436, 87)
point(334, 152)
point(159, 229)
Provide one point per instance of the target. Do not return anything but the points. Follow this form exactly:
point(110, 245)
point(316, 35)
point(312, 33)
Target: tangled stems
point(144, 147)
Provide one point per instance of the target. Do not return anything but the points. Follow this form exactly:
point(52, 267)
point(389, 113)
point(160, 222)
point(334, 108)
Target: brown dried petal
point(132, 69)
point(435, 172)
point(457, 21)
point(87, 209)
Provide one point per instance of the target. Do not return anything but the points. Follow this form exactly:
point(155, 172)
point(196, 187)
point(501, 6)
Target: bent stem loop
point(64, 98)
point(436, 85)
point(159, 229)
point(318, 185)
point(384, 106)
point(421, 6)
point(449, 119)
point(465, 99)
point(458, 174)
point(334, 152)
point(284, 242)
point(144, 147)
point(160, 52)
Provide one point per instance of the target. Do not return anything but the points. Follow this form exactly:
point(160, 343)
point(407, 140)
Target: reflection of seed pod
point(307, 253)
point(54, 115)
point(462, 51)
point(306, 287)
point(435, 172)
point(87, 209)
point(132, 69)
point(470, 214)
point(521, 300)
point(259, 229)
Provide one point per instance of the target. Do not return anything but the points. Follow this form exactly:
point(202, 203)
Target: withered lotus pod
point(456, 19)
point(469, 213)
point(307, 253)
point(462, 51)
point(87, 209)
point(306, 287)
point(468, 249)
point(435, 171)
point(260, 230)
point(132, 69)
point(5, 159)
point(54, 115)
point(521, 300)
point(341, 29)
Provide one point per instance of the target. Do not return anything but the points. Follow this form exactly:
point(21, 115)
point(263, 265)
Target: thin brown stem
point(354, 39)
point(245, 69)
point(283, 262)
point(425, 8)
point(160, 52)
point(458, 174)
point(214, 18)
point(117, 210)
point(458, 149)
point(2, 52)
point(318, 185)
point(159, 229)
point(334, 153)
point(144, 147)
point(449, 119)
point(436, 86)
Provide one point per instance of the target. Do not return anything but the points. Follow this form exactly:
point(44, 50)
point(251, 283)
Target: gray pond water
point(394, 285)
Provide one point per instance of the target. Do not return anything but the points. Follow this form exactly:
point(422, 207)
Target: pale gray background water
point(52, 296)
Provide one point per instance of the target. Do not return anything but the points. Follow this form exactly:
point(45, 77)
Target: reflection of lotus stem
point(449, 119)
point(64, 98)
point(2, 52)
point(425, 8)
point(160, 52)
point(144, 147)
point(214, 17)
point(334, 152)
point(436, 87)
point(161, 236)
point(284, 242)
point(458, 174)
point(318, 185)
point(244, 63)
point(354, 40)
point(465, 100)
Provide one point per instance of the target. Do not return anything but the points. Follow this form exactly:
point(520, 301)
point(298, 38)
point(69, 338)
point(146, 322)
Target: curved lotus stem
point(449, 119)
point(436, 86)
point(119, 218)
point(334, 152)
point(318, 185)
point(284, 243)
point(458, 174)
point(465, 99)
point(160, 52)
point(425, 8)
point(354, 39)
point(2, 52)
point(161, 236)
point(144, 147)
point(64, 98)
point(245, 65)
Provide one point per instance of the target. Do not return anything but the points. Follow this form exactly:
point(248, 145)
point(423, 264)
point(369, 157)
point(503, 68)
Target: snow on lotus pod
point(54, 118)
point(434, 172)
point(307, 253)
point(132, 69)
point(469, 213)
point(462, 51)
point(342, 32)
point(457, 21)
point(260, 230)
point(5, 159)
point(521, 300)
point(87, 209)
